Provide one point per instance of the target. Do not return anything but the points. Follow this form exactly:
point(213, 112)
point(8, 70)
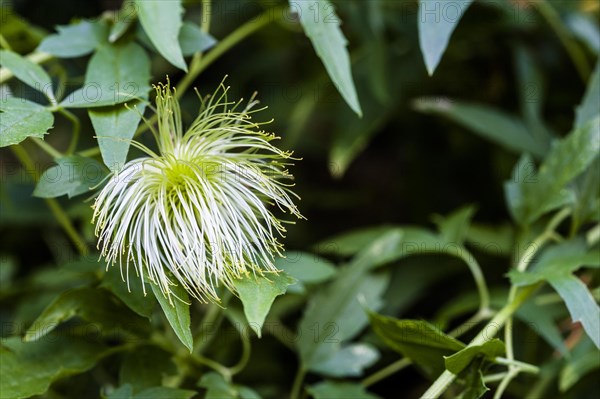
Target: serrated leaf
point(28, 369)
point(436, 24)
point(192, 39)
point(161, 20)
point(90, 304)
point(20, 118)
point(257, 295)
point(417, 340)
point(492, 124)
point(177, 312)
point(350, 361)
point(339, 390)
point(334, 313)
point(116, 73)
point(75, 40)
point(145, 367)
point(28, 72)
point(530, 196)
point(322, 26)
point(72, 175)
point(131, 292)
point(114, 127)
point(489, 350)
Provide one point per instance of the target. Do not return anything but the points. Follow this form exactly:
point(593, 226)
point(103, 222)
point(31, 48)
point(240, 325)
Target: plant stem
point(446, 378)
point(297, 385)
point(202, 63)
point(76, 128)
point(246, 350)
point(60, 215)
point(37, 57)
point(53, 152)
point(565, 37)
point(206, 15)
point(224, 45)
point(386, 372)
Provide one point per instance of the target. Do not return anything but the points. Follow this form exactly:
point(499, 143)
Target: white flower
point(199, 213)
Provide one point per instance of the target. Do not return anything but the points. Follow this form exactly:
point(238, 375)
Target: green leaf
point(177, 313)
point(126, 16)
point(584, 360)
point(73, 175)
point(349, 361)
point(587, 206)
point(90, 304)
point(417, 340)
point(115, 74)
point(306, 267)
point(531, 96)
point(349, 243)
point(542, 319)
point(581, 304)
point(161, 20)
point(590, 104)
point(334, 313)
point(145, 367)
point(115, 127)
point(474, 385)
point(453, 228)
point(557, 261)
point(28, 72)
point(28, 369)
point(437, 21)
point(192, 39)
point(322, 26)
point(75, 40)
point(556, 265)
point(123, 392)
point(217, 388)
point(489, 350)
point(257, 295)
point(494, 125)
point(131, 292)
point(165, 393)
point(530, 196)
point(496, 240)
point(339, 390)
point(20, 118)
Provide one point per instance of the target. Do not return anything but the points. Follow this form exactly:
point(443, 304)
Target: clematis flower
point(200, 212)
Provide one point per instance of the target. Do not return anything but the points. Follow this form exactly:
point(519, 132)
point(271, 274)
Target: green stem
point(202, 63)
point(60, 215)
point(206, 15)
point(482, 314)
point(218, 367)
point(37, 57)
point(246, 350)
point(76, 128)
point(573, 49)
point(4, 43)
point(524, 367)
point(53, 152)
point(224, 45)
point(484, 295)
point(490, 330)
point(386, 372)
point(297, 385)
